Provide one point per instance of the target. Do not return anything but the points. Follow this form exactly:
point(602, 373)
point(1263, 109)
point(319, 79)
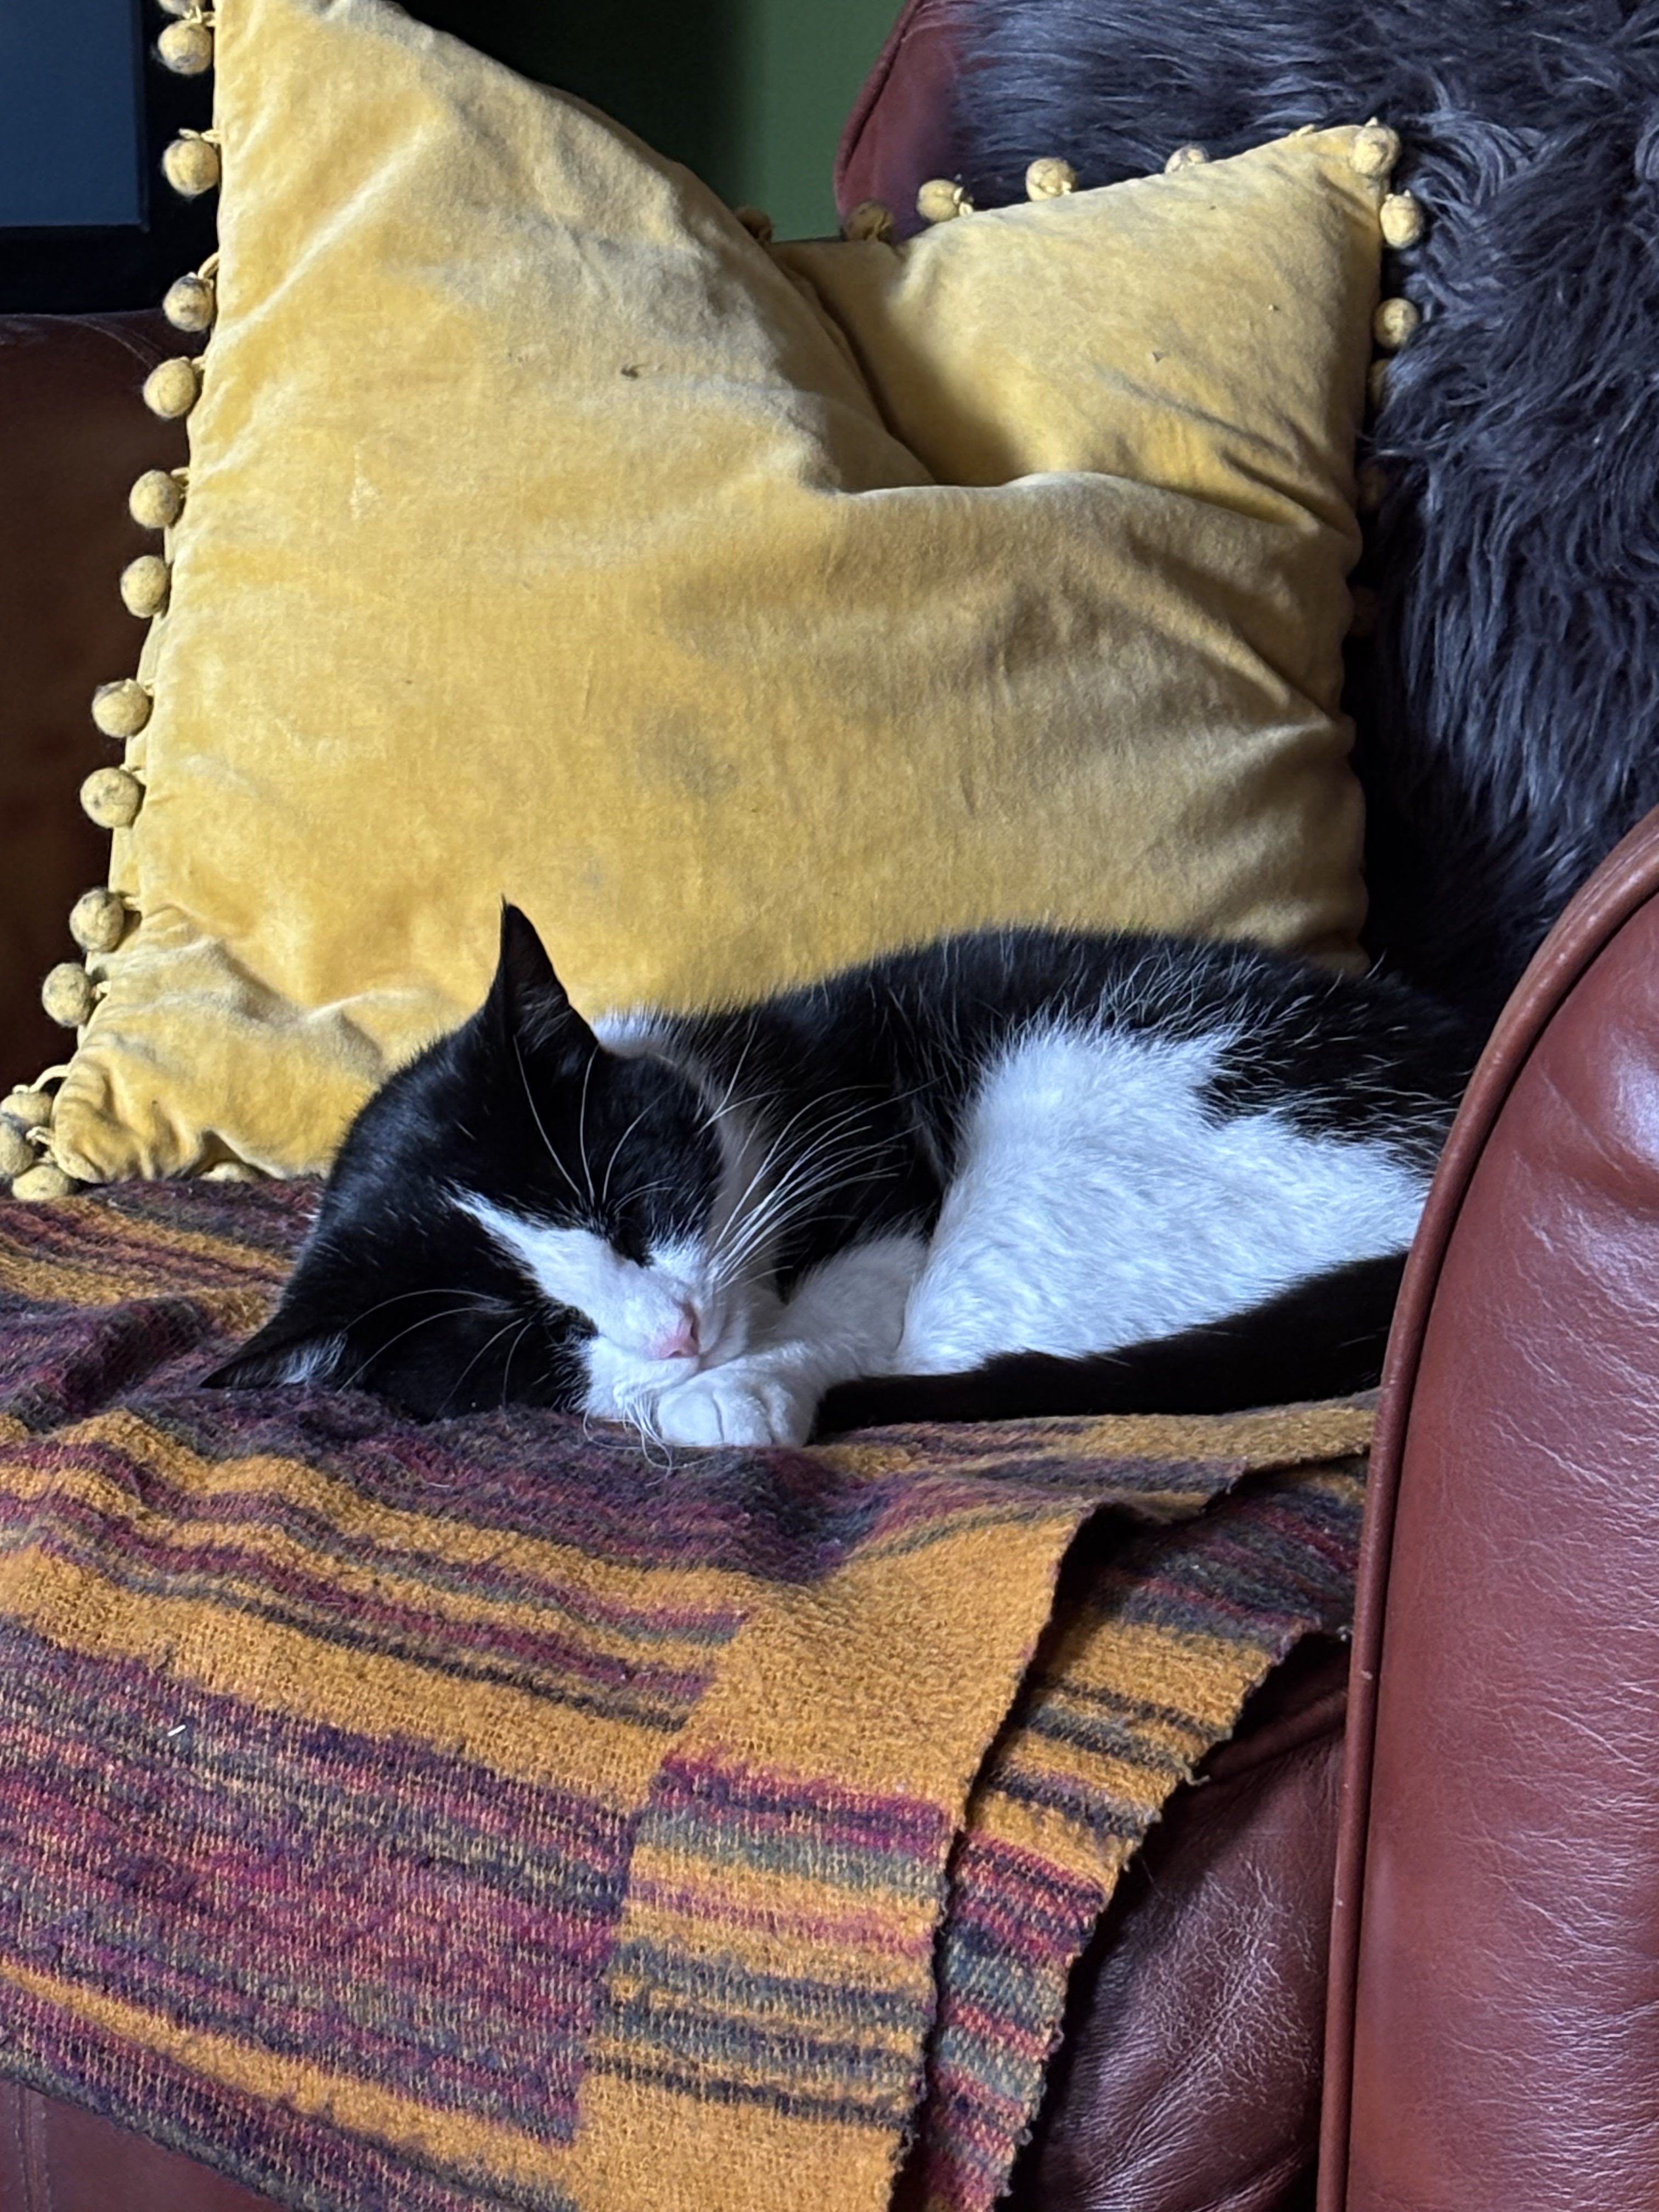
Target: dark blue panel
point(71, 113)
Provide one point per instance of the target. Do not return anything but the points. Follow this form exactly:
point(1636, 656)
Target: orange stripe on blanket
point(467, 2147)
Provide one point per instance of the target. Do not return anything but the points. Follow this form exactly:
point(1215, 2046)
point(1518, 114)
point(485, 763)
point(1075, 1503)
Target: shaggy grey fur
point(1507, 706)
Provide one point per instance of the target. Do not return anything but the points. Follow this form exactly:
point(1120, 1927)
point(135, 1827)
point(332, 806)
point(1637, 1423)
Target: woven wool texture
point(738, 614)
point(480, 1815)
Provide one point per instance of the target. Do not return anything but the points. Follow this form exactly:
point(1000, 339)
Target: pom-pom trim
point(173, 387)
point(185, 46)
point(870, 222)
point(1049, 179)
point(112, 797)
point(942, 199)
point(1396, 323)
point(191, 164)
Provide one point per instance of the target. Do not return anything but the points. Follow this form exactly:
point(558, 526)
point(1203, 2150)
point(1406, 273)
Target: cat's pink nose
point(679, 1342)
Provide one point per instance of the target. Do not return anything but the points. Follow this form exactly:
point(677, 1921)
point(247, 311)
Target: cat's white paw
point(739, 1403)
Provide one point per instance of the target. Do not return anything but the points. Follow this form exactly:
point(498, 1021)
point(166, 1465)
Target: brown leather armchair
point(1493, 2038)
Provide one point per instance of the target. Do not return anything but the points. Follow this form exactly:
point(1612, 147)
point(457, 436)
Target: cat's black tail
point(1321, 1339)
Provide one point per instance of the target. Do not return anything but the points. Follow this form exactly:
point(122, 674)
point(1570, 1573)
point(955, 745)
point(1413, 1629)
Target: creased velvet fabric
point(738, 614)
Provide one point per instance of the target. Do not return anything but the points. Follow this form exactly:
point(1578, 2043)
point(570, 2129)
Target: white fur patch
point(641, 1313)
point(316, 1362)
point(569, 1267)
point(1096, 1204)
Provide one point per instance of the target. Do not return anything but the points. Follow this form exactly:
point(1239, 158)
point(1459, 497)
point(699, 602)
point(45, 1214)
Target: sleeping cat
point(1019, 1172)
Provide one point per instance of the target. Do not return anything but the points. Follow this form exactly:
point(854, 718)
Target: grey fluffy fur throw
point(1508, 705)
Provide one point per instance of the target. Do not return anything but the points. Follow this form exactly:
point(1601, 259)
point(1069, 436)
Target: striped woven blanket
point(483, 1814)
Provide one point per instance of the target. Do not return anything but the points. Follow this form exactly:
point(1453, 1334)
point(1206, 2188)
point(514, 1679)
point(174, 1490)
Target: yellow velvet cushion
point(737, 612)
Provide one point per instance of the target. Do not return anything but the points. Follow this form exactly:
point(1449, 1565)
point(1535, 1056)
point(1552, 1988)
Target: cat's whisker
point(427, 1321)
point(725, 1106)
point(637, 1404)
point(819, 1168)
point(781, 1137)
point(581, 1129)
point(541, 1128)
point(431, 1290)
point(512, 1353)
point(788, 1203)
point(616, 1150)
point(825, 1137)
point(479, 1354)
point(645, 1190)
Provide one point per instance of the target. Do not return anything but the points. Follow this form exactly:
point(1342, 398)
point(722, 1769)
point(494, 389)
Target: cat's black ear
point(526, 999)
point(284, 1351)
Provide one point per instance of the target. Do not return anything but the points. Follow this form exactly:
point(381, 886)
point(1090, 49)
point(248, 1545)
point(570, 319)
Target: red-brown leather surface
point(55, 2158)
point(74, 433)
point(898, 134)
point(1189, 2080)
point(1494, 2017)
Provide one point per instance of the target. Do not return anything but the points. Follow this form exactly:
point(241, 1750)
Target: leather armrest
point(1494, 2012)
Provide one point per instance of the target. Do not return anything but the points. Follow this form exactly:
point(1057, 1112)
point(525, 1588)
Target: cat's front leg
point(762, 1397)
point(844, 1319)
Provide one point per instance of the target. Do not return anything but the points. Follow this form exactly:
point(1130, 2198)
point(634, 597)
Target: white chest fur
point(1097, 1204)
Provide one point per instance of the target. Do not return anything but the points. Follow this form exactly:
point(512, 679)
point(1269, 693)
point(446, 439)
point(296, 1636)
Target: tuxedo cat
point(1023, 1171)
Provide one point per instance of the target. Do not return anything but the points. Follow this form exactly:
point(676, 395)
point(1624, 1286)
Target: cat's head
point(521, 1215)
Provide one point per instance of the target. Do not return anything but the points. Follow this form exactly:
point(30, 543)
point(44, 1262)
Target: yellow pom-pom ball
point(1401, 218)
point(111, 798)
point(1375, 150)
point(1394, 323)
point(756, 221)
point(29, 1109)
point(67, 994)
point(1050, 179)
point(121, 710)
point(145, 584)
point(172, 386)
point(191, 165)
point(1185, 157)
point(191, 304)
point(233, 1172)
point(43, 1182)
point(185, 48)
point(17, 1154)
point(1370, 487)
point(1376, 382)
point(98, 920)
point(157, 500)
point(941, 200)
point(870, 220)
point(177, 7)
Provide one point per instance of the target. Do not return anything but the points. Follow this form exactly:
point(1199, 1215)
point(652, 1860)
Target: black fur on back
point(1337, 1054)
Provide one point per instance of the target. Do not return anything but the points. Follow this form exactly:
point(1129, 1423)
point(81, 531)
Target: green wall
point(751, 93)
point(801, 63)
